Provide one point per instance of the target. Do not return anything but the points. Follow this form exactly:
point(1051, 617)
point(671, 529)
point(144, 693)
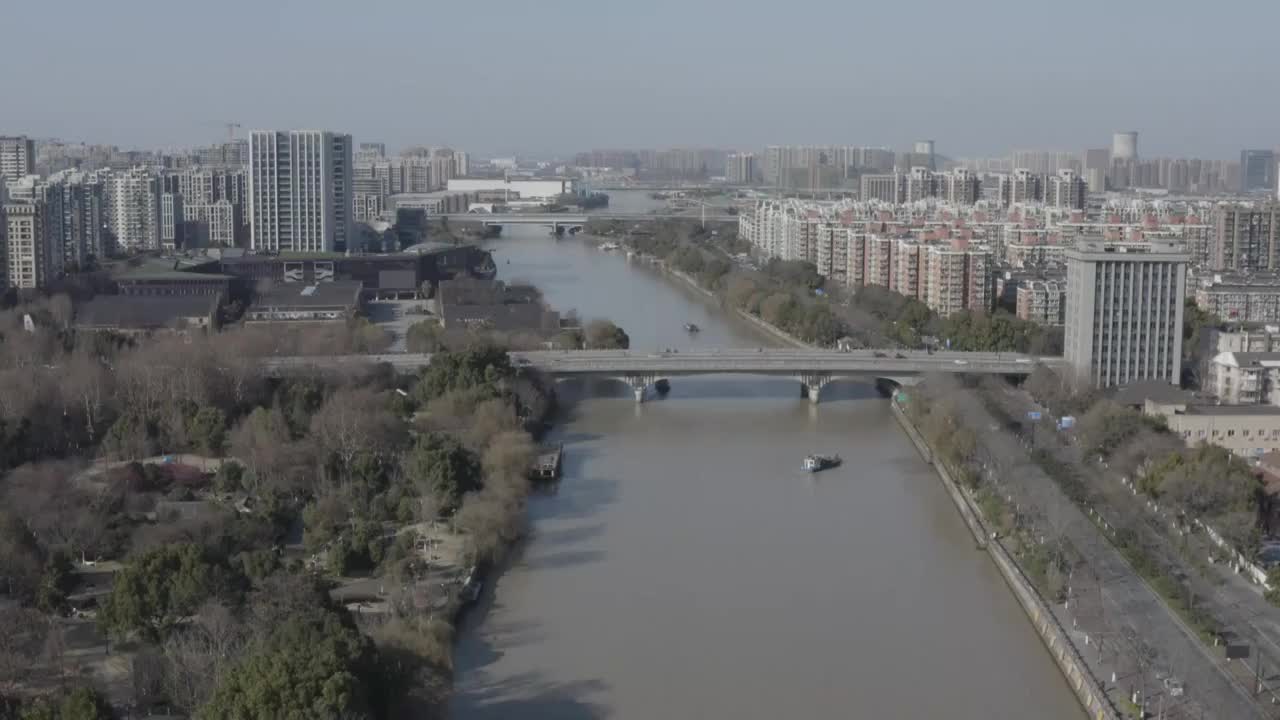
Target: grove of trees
point(228, 626)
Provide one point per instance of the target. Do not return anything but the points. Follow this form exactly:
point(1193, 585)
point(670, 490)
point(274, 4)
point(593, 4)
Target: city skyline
point(514, 77)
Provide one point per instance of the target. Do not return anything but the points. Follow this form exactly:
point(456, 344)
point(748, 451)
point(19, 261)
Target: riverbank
point(769, 329)
point(1056, 640)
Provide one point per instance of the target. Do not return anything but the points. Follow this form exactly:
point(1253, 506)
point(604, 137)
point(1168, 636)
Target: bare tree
point(22, 634)
point(199, 654)
point(355, 420)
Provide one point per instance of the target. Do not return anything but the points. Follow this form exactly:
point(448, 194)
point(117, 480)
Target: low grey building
point(296, 302)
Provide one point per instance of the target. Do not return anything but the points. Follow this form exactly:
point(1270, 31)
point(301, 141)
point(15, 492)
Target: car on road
point(880, 354)
point(960, 362)
point(1022, 360)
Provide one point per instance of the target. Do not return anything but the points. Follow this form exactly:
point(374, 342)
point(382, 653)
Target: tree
point(443, 468)
point(79, 703)
point(264, 443)
point(160, 587)
point(425, 337)
point(313, 665)
point(487, 366)
point(207, 429)
point(22, 633)
point(356, 420)
point(201, 652)
point(777, 309)
point(604, 335)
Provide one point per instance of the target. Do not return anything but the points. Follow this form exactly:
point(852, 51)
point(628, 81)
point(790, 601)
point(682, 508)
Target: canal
point(686, 567)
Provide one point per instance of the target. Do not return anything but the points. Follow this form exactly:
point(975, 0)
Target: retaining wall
point(1055, 638)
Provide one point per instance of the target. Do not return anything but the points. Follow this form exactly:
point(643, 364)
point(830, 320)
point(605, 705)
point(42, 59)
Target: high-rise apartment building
point(885, 188)
point(171, 220)
point(1041, 301)
point(1066, 190)
point(740, 168)
point(1124, 311)
point(1257, 170)
point(1096, 163)
point(960, 187)
point(461, 164)
point(17, 156)
point(79, 201)
point(133, 209)
point(1246, 237)
point(203, 190)
point(31, 256)
point(300, 190)
point(957, 278)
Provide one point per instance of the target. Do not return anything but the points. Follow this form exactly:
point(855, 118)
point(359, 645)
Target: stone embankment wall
point(1055, 637)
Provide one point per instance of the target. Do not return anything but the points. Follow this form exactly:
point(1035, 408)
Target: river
point(685, 567)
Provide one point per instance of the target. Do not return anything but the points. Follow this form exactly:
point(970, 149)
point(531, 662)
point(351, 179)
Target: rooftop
point(1248, 359)
point(1158, 391)
point(1234, 410)
point(166, 268)
point(141, 312)
point(325, 294)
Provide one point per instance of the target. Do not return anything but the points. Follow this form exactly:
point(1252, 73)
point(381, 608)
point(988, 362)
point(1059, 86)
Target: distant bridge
point(559, 222)
point(813, 369)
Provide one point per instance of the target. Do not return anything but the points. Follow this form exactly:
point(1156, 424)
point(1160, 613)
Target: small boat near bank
point(691, 328)
point(816, 463)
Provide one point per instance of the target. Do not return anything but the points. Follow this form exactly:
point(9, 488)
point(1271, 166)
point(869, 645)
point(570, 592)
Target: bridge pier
point(811, 386)
point(639, 384)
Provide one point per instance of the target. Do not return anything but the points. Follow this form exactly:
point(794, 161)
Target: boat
point(609, 246)
point(814, 463)
point(690, 327)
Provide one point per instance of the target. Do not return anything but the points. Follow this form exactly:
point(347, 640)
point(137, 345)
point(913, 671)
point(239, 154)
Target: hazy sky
point(547, 76)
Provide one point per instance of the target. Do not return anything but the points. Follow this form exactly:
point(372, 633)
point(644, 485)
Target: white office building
point(300, 191)
point(1124, 311)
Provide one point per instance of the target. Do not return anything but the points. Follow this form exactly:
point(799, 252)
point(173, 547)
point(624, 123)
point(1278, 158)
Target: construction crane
point(231, 130)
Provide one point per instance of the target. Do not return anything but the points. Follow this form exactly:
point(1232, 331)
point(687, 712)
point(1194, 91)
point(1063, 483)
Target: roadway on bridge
point(743, 361)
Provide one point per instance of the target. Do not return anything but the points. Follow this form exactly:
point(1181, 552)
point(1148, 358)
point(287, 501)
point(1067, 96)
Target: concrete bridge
point(813, 369)
point(573, 222)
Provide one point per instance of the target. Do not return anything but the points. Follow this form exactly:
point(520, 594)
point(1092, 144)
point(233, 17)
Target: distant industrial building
point(534, 189)
point(1124, 146)
point(1124, 311)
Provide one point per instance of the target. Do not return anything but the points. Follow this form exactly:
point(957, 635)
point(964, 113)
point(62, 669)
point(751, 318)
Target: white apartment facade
point(300, 191)
point(133, 209)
